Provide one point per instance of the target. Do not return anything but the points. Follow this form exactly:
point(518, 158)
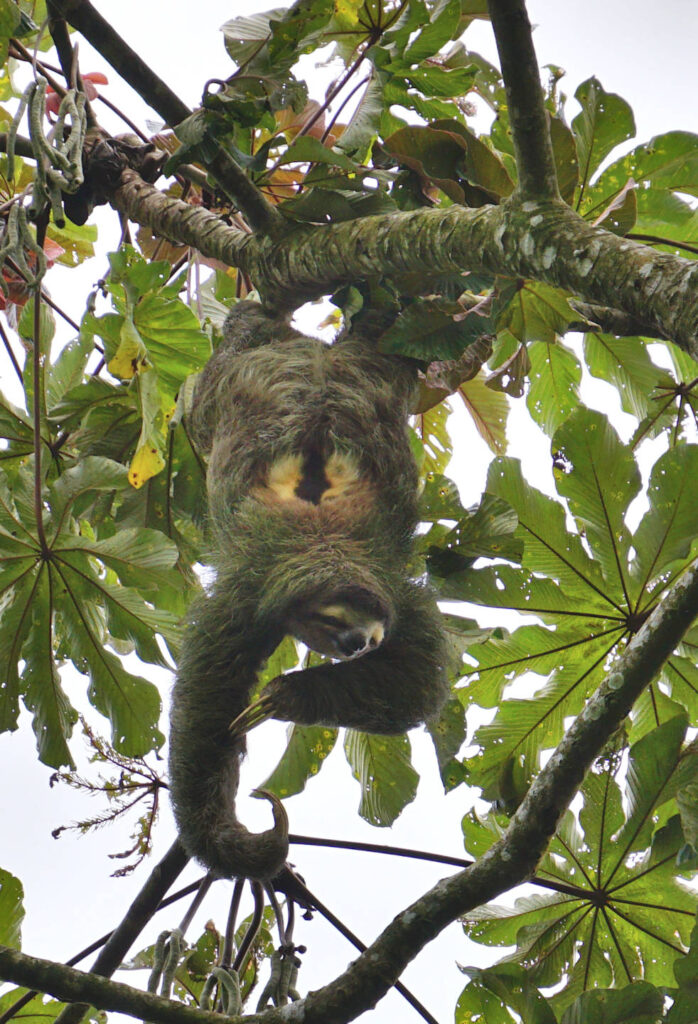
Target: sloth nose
point(352, 642)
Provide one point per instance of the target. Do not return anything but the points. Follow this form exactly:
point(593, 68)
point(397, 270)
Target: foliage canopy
point(484, 249)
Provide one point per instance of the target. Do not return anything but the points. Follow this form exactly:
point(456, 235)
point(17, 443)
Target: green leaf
point(431, 426)
point(627, 915)
point(639, 1003)
point(307, 748)
point(307, 149)
point(527, 649)
point(440, 499)
point(522, 729)
point(447, 154)
point(686, 970)
point(15, 623)
point(76, 487)
point(53, 715)
point(625, 363)
point(670, 526)
point(364, 124)
point(17, 431)
point(68, 369)
point(47, 325)
point(668, 162)
point(605, 122)
point(489, 410)
point(652, 779)
point(131, 703)
point(427, 330)
point(442, 27)
point(485, 531)
point(565, 154)
point(554, 389)
point(492, 993)
point(448, 734)
point(11, 910)
point(599, 477)
point(503, 586)
point(549, 547)
point(532, 311)
point(383, 768)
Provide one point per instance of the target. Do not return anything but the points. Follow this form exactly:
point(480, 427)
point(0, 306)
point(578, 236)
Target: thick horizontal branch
point(508, 863)
point(541, 240)
point(527, 115)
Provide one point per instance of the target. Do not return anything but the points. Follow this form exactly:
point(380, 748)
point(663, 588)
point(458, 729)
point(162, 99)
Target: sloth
point(312, 493)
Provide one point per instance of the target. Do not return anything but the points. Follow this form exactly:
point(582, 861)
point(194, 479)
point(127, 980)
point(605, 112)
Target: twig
point(253, 928)
point(358, 944)
point(12, 356)
point(435, 858)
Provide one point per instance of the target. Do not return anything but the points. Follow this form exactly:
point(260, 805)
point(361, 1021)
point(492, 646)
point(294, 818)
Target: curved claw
point(256, 713)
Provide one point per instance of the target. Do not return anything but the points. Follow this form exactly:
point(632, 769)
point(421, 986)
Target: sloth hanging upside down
point(313, 505)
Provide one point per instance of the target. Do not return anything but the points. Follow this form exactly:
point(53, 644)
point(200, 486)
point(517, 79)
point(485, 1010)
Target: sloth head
point(344, 624)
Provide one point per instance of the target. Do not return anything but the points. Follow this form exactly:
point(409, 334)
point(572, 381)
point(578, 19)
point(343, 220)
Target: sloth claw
point(254, 714)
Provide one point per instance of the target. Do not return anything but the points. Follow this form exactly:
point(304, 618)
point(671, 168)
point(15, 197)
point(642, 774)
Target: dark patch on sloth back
point(313, 482)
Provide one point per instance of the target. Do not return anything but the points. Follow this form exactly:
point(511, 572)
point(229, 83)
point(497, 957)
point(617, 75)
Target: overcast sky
point(645, 52)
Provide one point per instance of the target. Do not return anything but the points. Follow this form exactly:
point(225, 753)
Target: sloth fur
point(313, 505)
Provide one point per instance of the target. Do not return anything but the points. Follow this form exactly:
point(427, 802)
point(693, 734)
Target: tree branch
point(527, 115)
point(544, 241)
point(125, 61)
point(261, 215)
point(613, 321)
point(70, 985)
point(509, 862)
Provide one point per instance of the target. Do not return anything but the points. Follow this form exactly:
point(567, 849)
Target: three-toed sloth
point(312, 494)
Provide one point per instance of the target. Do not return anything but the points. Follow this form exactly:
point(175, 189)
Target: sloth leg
point(216, 671)
point(399, 685)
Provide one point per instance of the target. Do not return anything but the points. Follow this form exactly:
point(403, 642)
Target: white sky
point(647, 54)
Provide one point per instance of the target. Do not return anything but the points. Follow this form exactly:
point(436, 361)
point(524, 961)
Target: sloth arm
point(399, 685)
point(217, 669)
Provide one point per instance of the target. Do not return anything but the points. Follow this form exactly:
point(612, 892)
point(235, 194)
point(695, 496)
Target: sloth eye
point(329, 620)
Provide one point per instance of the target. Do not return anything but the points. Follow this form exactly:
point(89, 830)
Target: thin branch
point(527, 115)
point(125, 61)
point(361, 946)
point(69, 985)
point(10, 353)
point(434, 858)
point(137, 916)
point(660, 240)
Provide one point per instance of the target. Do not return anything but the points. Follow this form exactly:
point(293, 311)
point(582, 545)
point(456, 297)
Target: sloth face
point(341, 629)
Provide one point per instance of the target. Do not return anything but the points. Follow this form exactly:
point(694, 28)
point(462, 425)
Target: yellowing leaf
point(146, 463)
point(131, 353)
point(347, 11)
